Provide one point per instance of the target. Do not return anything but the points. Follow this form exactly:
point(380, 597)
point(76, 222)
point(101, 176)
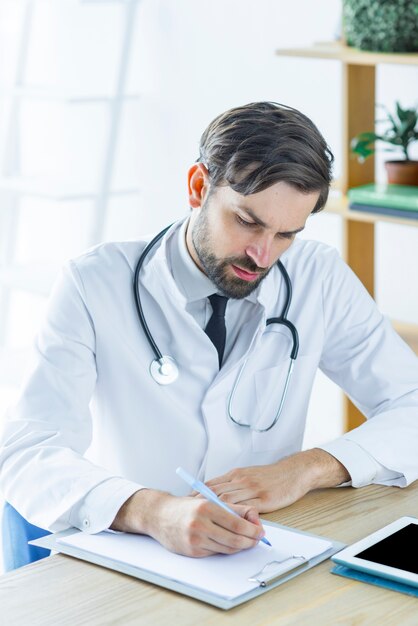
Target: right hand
point(189, 526)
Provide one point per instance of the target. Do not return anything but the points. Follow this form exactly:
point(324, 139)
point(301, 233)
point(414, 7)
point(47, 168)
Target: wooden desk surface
point(62, 591)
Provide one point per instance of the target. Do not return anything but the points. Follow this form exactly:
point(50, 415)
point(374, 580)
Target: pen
point(197, 485)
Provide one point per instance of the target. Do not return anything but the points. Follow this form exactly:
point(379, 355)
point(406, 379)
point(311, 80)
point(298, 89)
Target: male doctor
point(95, 440)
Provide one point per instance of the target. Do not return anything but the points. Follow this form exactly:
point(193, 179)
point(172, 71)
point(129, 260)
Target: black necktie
point(215, 329)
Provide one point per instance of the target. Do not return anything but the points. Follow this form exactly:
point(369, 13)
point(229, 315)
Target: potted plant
point(381, 25)
point(401, 132)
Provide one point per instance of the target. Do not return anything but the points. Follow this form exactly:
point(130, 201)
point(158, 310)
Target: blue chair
point(16, 532)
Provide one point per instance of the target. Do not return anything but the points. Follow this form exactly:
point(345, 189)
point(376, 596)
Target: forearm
point(323, 469)
point(137, 513)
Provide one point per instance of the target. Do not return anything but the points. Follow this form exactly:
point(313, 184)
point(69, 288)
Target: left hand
point(271, 487)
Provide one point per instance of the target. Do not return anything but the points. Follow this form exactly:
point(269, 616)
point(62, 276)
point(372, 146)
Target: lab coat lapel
point(229, 443)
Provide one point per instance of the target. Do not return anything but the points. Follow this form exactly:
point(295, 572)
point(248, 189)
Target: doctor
point(96, 436)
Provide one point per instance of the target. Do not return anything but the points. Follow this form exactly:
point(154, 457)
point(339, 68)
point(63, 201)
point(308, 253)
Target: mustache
point(246, 264)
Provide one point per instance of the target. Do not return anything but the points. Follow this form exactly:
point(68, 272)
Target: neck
point(190, 247)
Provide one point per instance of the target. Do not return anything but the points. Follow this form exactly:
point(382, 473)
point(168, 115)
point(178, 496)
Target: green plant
point(381, 25)
point(402, 131)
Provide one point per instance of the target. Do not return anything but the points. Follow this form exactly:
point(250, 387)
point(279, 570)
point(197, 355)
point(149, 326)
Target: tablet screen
point(398, 550)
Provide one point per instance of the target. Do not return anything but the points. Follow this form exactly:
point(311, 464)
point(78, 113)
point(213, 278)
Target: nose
point(260, 252)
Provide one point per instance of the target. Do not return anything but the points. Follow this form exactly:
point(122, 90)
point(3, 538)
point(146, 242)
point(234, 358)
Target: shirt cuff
point(99, 508)
point(361, 466)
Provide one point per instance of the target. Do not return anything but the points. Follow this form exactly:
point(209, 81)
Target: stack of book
point(398, 200)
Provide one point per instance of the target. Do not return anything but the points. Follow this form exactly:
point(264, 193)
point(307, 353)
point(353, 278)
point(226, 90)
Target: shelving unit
point(358, 115)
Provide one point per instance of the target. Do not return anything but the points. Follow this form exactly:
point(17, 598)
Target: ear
point(198, 184)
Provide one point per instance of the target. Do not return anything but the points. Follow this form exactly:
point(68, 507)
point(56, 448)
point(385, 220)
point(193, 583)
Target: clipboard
point(272, 574)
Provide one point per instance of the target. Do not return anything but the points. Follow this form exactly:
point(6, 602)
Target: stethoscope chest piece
point(164, 371)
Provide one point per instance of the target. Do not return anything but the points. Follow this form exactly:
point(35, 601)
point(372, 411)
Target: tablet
point(390, 552)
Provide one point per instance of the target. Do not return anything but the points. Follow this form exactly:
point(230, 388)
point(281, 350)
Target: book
point(370, 208)
point(381, 195)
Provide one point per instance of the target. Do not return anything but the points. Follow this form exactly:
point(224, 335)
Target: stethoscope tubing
point(164, 369)
point(137, 297)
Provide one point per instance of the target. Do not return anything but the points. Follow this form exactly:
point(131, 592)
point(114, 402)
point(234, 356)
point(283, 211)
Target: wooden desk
point(62, 591)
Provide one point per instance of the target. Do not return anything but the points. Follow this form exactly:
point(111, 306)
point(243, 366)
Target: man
point(94, 441)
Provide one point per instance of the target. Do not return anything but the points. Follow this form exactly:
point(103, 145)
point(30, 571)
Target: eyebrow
point(260, 222)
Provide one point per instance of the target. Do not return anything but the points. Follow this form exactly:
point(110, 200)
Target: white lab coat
point(92, 426)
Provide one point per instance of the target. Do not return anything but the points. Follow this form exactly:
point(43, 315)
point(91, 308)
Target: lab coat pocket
point(270, 385)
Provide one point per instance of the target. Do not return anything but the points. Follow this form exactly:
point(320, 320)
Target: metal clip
point(265, 580)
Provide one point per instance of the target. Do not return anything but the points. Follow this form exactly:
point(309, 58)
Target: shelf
point(340, 52)
point(62, 95)
point(358, 95)
point(56, 190)
point(338, 204)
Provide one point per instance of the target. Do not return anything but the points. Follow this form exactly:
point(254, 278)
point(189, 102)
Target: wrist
point(139, 512)
point(324, 470)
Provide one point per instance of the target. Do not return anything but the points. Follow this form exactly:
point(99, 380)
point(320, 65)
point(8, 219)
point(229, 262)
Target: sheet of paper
point(224, 575)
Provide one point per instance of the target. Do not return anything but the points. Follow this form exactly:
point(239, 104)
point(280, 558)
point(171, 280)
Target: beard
point(217, 269)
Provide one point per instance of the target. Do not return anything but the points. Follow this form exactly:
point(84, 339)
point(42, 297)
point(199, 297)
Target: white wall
point(191, 60)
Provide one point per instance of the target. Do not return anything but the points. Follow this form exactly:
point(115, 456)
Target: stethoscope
point(163, 368)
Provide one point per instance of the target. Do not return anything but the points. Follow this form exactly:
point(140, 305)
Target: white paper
point(224, 575)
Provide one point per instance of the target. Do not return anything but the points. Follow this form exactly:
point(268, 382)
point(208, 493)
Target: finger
point(203, 552)
point(237, 524)
point(215, 547)
point(240, 496)
point(253, 515)
point(229, 542)
point(225, 478)
point(226, 488)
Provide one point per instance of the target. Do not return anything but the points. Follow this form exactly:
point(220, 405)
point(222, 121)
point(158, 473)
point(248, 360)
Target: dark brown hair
point(259, 144)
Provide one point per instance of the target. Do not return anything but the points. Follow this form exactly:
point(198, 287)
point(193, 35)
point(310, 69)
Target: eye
point(244, 222)
point(288, 236)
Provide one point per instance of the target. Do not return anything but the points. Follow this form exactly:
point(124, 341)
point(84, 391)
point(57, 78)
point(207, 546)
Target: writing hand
point(189, 526)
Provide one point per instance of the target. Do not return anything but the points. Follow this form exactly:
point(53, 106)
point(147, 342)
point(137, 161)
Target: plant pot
point(402, 172)
point(381, 25)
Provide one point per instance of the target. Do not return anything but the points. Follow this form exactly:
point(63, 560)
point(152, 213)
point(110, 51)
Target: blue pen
point(197, 485)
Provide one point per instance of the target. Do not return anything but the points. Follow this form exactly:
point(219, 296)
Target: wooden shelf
point(358, 96)
point(339, 205)
point(340, 52)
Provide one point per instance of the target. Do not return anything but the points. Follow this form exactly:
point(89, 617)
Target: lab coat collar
point(157, 274)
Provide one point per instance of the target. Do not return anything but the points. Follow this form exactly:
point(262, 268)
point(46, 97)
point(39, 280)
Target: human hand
point(271, 487)
point(189, 526)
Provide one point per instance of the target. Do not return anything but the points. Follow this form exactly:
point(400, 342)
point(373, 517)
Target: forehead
point(280, 207)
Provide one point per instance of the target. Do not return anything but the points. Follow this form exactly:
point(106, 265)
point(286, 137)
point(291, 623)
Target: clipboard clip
point(264, 578)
